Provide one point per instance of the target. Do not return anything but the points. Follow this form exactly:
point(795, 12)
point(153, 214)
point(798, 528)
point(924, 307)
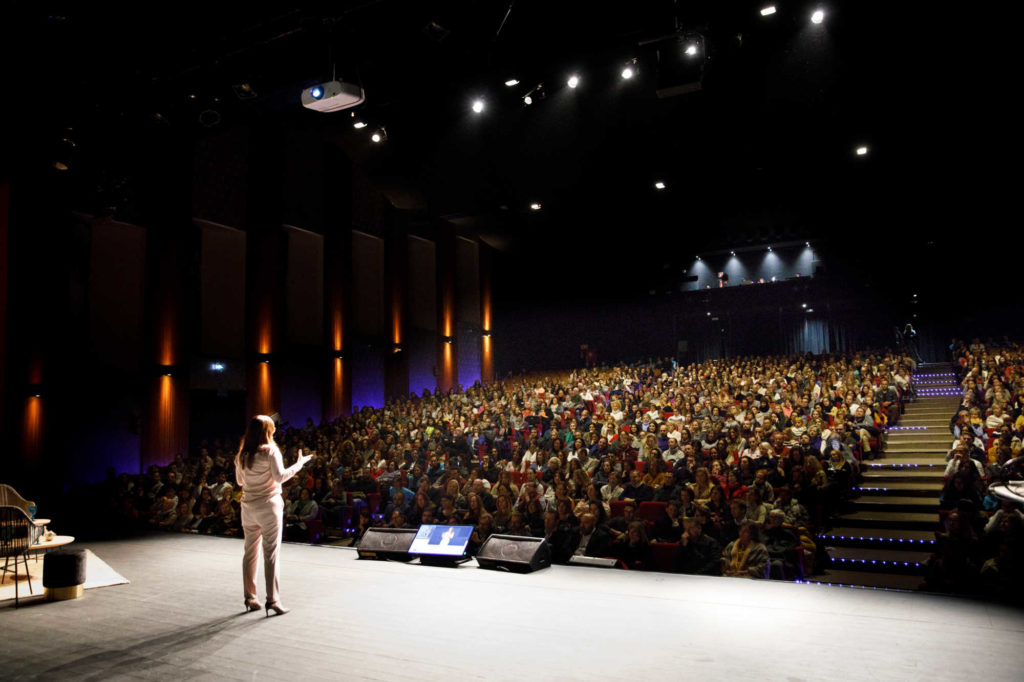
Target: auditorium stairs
point(886, 538)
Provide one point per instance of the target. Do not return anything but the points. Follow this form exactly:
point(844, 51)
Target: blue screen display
point(441, 540)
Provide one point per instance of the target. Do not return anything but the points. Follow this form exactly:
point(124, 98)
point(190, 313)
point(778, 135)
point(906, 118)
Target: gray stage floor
point(180, 618)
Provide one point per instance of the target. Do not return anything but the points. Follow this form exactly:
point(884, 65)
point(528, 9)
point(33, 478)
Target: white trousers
point(262, 519)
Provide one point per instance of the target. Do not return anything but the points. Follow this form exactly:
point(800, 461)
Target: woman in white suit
point(260, 471)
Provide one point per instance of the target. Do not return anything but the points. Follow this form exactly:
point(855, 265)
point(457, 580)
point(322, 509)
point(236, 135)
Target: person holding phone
point(260, 471)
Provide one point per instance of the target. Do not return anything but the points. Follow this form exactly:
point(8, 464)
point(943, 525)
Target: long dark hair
point(260, 432)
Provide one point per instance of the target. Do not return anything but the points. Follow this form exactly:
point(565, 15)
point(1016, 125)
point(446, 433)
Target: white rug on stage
point(97, 574)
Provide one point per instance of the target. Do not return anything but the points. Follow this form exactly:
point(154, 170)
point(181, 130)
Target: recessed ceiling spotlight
point(691, 49)
point(818, 16)
point(862, 151)
point(768, 11)
point(527, 100)
point(478, 106)
point(377, 137)
point(358, 125)
point(732, 253)
point(535, 206)
point(511, 82)
point(627, 73)
point(573, 81)
point(803, 305)
point(659, 185)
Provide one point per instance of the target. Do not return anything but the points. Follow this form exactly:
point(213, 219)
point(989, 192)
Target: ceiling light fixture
point(659, 185)
point(511, 82)
point(535, 206)
point(862, 151)
point(691, 49)
point(478, 106)
point(573, 81)
point(768, 11)
point(627, 73)
point(818, 16)
point(358, 125)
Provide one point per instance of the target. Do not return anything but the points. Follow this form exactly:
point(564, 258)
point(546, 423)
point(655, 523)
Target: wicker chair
point(15, 538)
point(9, 497)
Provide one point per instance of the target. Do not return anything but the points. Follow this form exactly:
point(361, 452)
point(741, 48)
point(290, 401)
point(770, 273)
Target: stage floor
point(180, 618)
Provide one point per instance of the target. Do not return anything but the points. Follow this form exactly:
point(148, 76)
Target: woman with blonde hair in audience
point(591, 494)
point(702, 485)
point(657, 477)
point(578, 482)
point(746, 557)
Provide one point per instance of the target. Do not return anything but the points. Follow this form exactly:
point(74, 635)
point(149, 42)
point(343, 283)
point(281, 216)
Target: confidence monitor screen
point(441, 540)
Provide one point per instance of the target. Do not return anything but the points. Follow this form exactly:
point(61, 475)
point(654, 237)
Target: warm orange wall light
point(33, 426)
point(264, 399)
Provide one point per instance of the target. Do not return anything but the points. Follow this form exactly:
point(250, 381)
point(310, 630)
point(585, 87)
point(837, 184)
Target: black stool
point(64, 574)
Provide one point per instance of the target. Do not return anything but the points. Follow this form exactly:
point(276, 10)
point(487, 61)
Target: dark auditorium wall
point(743, 320)
point(254, 268)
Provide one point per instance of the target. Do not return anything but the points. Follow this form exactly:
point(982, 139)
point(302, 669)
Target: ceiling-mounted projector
point(332, 96)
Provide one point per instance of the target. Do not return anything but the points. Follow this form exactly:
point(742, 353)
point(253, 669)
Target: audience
point(717, 450)
point(981, 547)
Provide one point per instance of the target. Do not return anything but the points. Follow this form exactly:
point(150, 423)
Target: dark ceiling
point(763, 152)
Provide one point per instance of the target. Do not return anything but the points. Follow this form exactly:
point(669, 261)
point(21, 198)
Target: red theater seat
point(651, 511)
point(663, 556)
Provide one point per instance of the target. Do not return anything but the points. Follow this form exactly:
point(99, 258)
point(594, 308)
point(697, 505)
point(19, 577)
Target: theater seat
point(618, 507)
point(663, 556)
point(651, 512)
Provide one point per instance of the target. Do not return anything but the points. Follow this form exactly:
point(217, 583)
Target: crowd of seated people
point(724, 467)
point(981, 547)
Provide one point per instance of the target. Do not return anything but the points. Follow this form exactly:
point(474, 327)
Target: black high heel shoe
point(252, 605)
point(276, 608)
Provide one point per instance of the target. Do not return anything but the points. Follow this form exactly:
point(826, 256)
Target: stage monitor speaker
point(514, 553)
point(387, 543)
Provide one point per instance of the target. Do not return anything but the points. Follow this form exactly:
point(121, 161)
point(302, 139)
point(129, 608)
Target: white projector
point(332, 96)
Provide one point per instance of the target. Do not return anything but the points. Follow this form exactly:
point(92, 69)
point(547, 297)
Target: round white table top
point(58, 541)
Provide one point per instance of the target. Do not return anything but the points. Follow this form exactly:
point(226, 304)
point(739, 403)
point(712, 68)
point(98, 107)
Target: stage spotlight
point(527, 100)
point(818, 16)
point(511, 82)
point(769, 249)
point(573, 81)
point(767, 11)
point(862, 151)
point(803, 305)
point(659, 185)
point(627, 73)
point(478, 106)
point(379, 135)
point(691, 49)
point(732, 253)
point(534, 206)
